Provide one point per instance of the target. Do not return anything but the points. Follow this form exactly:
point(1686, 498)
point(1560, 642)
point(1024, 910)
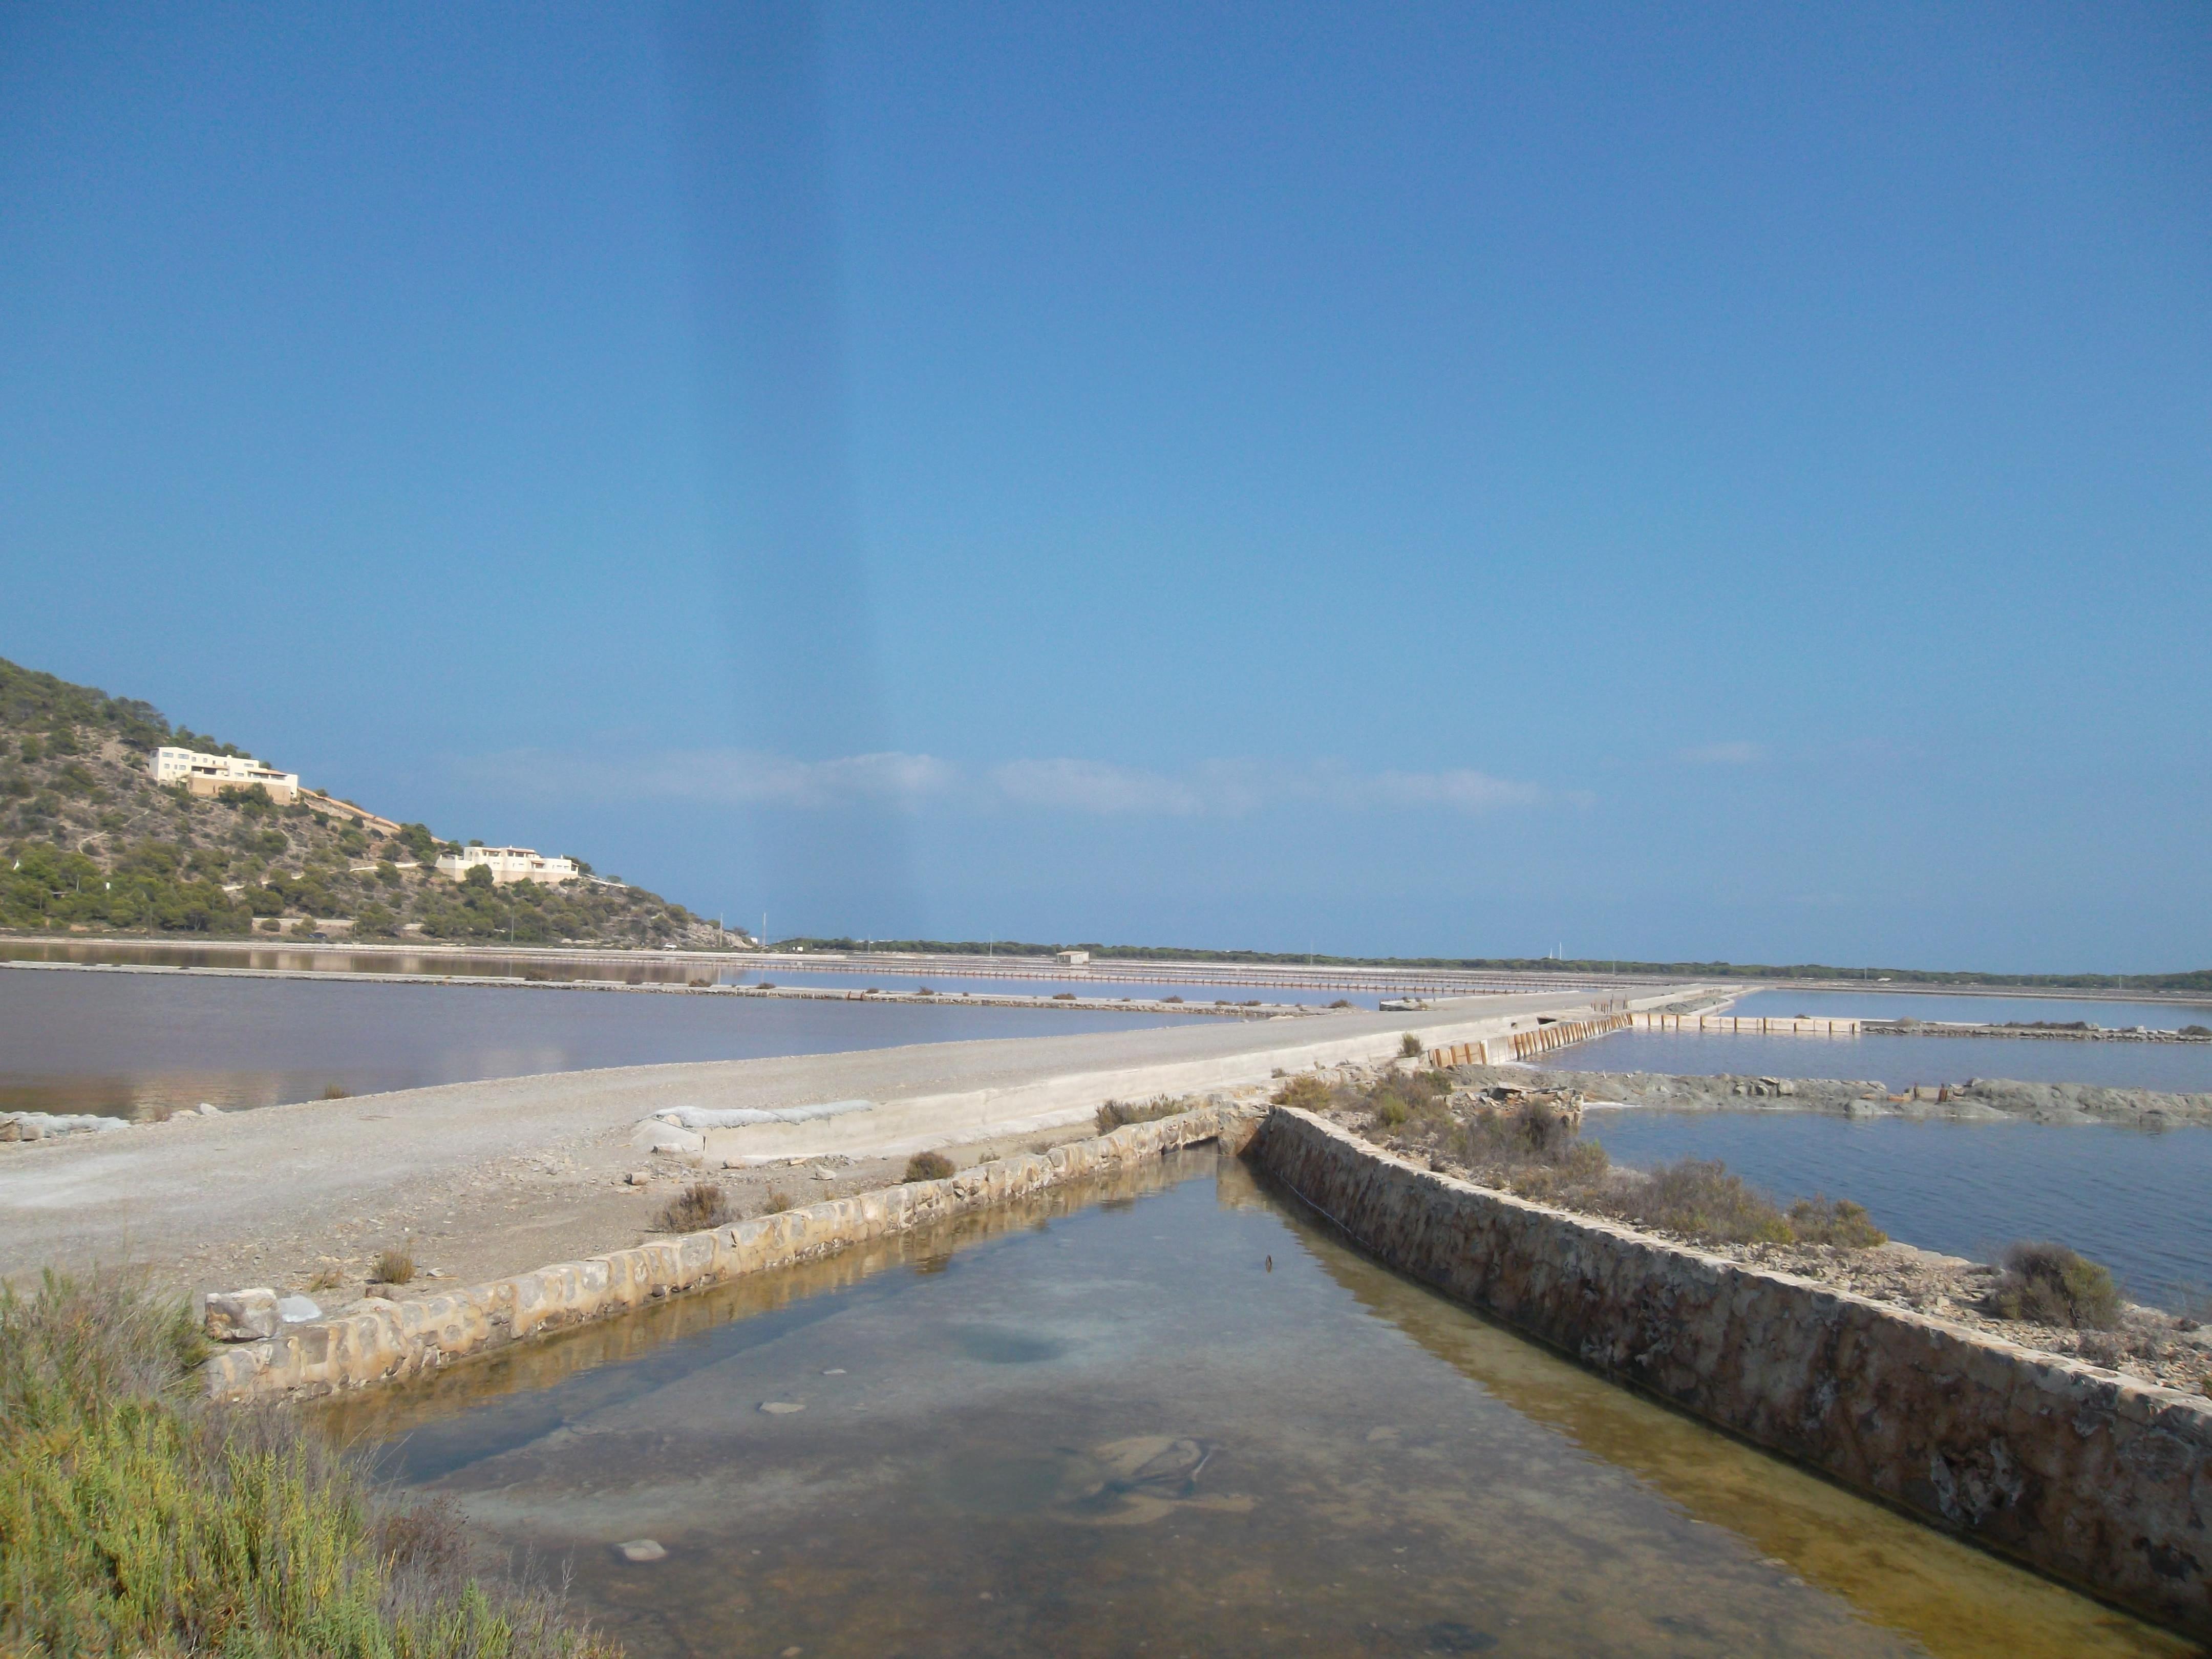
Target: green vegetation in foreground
point(89, 843)
point(137, 1519)
point(1532, 1148)
point(2199, 979)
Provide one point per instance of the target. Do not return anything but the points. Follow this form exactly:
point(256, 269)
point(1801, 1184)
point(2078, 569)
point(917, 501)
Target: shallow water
point(134, 1044)
point(1899, 1061)
point(1100, 984)
point(2131, 1199)
point(1167, 1414)
point(2160, 1015)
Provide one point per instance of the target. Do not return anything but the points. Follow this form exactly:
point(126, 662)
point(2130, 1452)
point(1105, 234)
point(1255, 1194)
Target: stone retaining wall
point(2092, 1476)
point(382, 1339)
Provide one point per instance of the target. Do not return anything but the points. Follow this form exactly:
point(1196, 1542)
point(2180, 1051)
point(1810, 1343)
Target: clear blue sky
point(1663, 482)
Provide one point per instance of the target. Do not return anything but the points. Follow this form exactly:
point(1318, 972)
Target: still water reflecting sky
point(1179, 1420)
point(127, 1043)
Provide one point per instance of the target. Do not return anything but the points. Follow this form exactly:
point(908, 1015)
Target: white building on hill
point(509, 864)
point(210, 774)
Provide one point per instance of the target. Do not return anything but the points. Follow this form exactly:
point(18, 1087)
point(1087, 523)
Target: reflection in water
point(1006, 981)
point(1107, 1430)
point(141, 1044)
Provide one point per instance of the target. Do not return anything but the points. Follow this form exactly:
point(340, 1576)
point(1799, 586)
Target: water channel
point(1901, 1061)
point(1166, 1414)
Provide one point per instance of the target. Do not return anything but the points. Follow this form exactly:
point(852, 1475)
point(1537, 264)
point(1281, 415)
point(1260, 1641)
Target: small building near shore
point(210, 774)
point(1075, 958)
point(509, 864)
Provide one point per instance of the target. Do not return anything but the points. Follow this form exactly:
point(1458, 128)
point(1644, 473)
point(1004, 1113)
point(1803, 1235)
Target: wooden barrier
point(1754, 1025)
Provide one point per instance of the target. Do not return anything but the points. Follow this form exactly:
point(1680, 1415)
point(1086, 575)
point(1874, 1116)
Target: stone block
point(242, 1315)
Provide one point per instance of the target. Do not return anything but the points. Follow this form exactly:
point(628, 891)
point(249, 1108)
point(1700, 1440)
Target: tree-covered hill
point(89, 843)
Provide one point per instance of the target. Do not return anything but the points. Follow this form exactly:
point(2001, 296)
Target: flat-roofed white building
point(509, 864)
point(210, 774)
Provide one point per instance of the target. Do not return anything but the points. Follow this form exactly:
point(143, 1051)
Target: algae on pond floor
point(1188, 1423)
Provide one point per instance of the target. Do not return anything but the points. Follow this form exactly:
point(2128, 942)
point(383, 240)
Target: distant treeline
point(2196, 980)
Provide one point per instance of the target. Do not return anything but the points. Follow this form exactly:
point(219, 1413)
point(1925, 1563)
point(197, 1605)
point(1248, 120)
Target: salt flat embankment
point(496, 1177)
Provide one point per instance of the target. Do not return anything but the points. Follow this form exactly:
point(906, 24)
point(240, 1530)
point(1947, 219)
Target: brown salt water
point(1168, 1413)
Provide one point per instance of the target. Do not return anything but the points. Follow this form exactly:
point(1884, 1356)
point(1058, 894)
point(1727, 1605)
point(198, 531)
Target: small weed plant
point(393, 1267)
point(700, 1206)
point(1409, 1047)
point(927, 1166)
point(776, 1202)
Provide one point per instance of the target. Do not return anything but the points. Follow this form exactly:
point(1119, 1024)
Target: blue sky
point(1667, 481)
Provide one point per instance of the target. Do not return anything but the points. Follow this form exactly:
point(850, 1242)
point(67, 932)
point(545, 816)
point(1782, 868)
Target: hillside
point(90, 843)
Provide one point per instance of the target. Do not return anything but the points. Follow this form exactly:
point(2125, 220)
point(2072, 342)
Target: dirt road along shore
point(494, 1177)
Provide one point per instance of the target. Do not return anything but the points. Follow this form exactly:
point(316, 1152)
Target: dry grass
point(698, 1206)
point(335, 1091)
point(325, 1279)
point(393, 1267)
point(776, 1202)
point(1409, 1047)
point(1116, 1113)
point(927, 1166)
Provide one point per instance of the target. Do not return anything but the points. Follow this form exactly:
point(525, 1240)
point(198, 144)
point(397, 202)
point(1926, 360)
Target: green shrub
point(136, 1518)
point(1575, 1180)
point(927, 1166)
point(2048, 1284)
point(1702, 1198)
point(1389, 1110)
point(1305, 1091)
point(1818, 1220)
point(1409, 1047)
